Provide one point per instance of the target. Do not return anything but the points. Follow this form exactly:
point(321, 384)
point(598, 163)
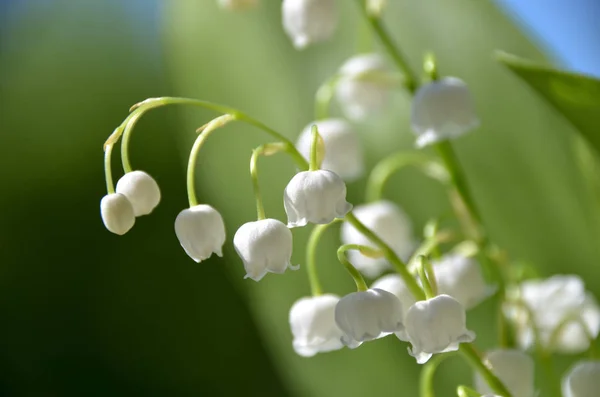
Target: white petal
point(461, 278)
point(308, 21)
point(201, 231)
point(141, 190)
point(583, 380)
point(442, 110)
point(117, 213)
point(514, 368)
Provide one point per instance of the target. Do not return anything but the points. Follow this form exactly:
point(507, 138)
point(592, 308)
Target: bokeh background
point(87, 313)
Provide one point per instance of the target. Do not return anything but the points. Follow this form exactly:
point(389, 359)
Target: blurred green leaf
point(575, 96)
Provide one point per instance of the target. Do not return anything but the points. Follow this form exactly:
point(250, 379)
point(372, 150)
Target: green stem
point(427, 276)
point(324, 97)
point(361, 285)
point(426, 388)
point(471, 356)
point(110, 186)
point(314, 149)
point(256, 153)
point(464, 391)
point(410, 78)
point(140, 108)
point(387, 167)
point(428, 247)
point(198, 143)
point(389, 254)
point(311, 257)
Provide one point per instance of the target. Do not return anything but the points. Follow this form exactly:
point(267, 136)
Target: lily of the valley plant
point(422, 287)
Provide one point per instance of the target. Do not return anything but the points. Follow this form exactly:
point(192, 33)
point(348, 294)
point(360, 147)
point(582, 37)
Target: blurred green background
point(88, 313)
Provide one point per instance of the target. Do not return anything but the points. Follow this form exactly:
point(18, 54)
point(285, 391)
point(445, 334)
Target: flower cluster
point(422, 286)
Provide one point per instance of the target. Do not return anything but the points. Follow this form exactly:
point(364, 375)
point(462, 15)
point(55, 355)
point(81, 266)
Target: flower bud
point(387, 221)
point(583, 380)
point(238, 5)
point(141, 190)
point(461, 278)
point(343, 151)
point(364, 86)
point(560, 307)
point(394, 284)
point(308, 21)
point(514, 368)
point(264, 246)
point(117, 213)
point(201, 231)
point(441, 110)
point(366, 315)
point(316, 197)
point(436, 325)
point(312, 321)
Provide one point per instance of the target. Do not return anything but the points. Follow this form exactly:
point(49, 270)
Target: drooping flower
point(343, 152)
point(390, 223)
point(312, 320)
point(141, 190)
point(514, 368)
point(238, 5)
point(442, 110)
point(560, 307)
point(117, 213)
point(583, 380)
point(364, 87)
point(308, 21)
point(201, 231)
point(264, 246)
point(461, 278)
point(316, 197)
point(436, 325)
point(366, 315)
point(395, 284)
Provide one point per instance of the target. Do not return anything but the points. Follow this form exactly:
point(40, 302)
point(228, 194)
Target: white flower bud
point(264, 246)
point(514, 368)
point(394, 284)
point(387, 221)
point(461, 278)
point(309, 21)
point(442, 110)
point(364, 86)
point(141, 190)
point(312, 321)
point(436, 325)
point(316, 197)
point(201, 231)
point(583, 380)
point(366, 315)
point(238, 5)
point(343, 151)
point(117, 213)
point(552, 302)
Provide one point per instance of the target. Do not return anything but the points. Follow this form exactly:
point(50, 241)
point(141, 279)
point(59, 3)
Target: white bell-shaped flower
point(264, 246)
point(343, 151)
point(395, 284)
point(461, 278)
point(316, 197)
point(559, 301)
point(238, 5)
point(436, 325)
point(514, 368)
point(583, 380)
point(312, 320)
point(201, 231)
point(309, 21)
point(141, 190)
point(442, 110)
point(117, 213)
point(364, 86)
point(387, 221)
point(366, 315)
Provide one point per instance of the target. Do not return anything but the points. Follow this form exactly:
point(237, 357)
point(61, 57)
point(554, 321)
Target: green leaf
point(575, 96)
